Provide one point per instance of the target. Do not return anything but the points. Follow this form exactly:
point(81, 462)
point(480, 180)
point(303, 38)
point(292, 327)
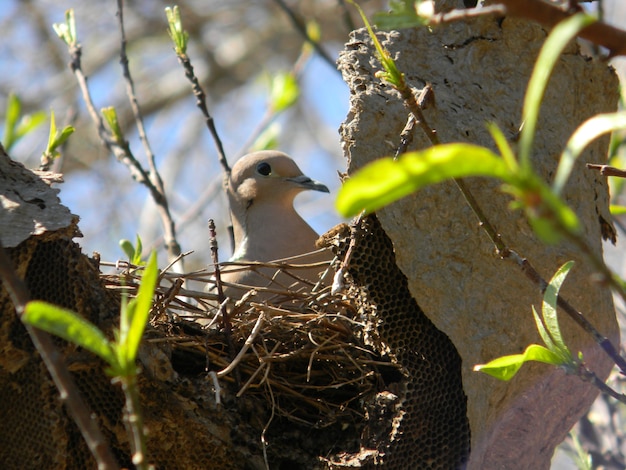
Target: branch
point(119, 148)
point(546, 14)
point(606, 170)
point(156, 187)
point(201, 104)
point(301, 28)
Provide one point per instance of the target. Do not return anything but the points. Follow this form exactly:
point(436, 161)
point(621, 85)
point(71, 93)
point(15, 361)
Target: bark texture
point(479, 70)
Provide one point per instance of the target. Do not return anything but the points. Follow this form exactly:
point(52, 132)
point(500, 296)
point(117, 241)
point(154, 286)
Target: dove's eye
point(264, 169)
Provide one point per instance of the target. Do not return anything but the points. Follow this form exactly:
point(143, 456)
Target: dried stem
point(69, 393)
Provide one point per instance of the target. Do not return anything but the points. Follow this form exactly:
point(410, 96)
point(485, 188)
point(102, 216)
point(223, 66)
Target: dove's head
point(268, 176)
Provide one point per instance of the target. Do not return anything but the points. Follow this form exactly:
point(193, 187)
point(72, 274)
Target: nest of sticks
point(301, 349)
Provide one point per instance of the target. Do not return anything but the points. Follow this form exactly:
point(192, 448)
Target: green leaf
point(133, 253)
point(69, 326)
point(617, 209)
point(559, 37)
point(140, 310)
point(284, 92)
point(402, 14)
point(391, 74)
point(549, 308)
point(543, 332)
point(178, 35)
point(268, 139)
point(67, 31)
point(29, 123)
point(387, 180)
point(128, 249)
point(590, 130)
point(110, 116)
point(505, 367)
point(504, 147)
point(14, 108)
point(55, 140)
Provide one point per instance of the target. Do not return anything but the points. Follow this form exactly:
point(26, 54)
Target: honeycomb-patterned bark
point(430, 429)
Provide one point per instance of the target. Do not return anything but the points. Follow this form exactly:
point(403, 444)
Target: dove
point(261, 191)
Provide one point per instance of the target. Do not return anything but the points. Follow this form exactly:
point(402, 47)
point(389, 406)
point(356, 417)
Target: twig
point(547, 14)
point(201, 104)
point(466, 13)
point(221, 298)
point(588, 376)
point(158, 193)
point(120, 149)
point(606, 170)
point(246, 345)
point(347, 19)
point(218, 388)
point(301, 28)
point(69, 393)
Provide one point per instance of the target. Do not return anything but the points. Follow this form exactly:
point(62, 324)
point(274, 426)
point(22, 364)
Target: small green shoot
point(67, 31)
point(134, 317)
point(179, 36)
point(16, 127)
point(121, 354)
point(55, 139)
point(133, 252)
point(284, 92)
point(390, 74)
point(586, 133)
point(110, 116)
point(554, 352)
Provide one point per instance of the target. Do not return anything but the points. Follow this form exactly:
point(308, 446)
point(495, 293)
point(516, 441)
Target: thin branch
point(588, 376)
point(606, 170)
point(546, 14)
point(301, 28)
point(201, 104)
point(158, 193)
point(69, 393)
point(121, 150)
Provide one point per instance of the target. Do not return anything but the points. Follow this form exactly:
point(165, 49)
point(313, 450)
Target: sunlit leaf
point(138, 316)
point(69, 326)
point(558, 39)
point(387, 180)
point(543, 332)
point(505, 367)
point(284, 92)
point(402, 14)
point(549, 307)
point(586, 133)
point(617, 209)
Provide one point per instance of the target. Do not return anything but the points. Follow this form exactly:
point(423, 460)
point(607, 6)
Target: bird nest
point(299, 348)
